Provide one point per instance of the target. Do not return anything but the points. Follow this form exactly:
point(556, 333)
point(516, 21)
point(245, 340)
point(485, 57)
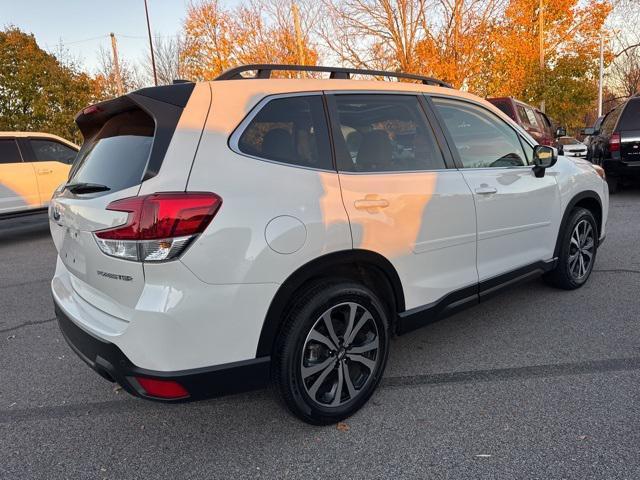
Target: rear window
point(117, 157)
point(568, 141)
point(505, 107)
point(9, 152)
point(631, 117)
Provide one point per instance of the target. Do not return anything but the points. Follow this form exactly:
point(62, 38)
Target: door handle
point(371, 203)
point(44, 171)
point(486, 190)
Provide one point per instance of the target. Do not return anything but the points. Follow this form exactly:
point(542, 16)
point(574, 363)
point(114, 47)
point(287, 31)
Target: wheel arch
point(587, 199)
point(365, 266)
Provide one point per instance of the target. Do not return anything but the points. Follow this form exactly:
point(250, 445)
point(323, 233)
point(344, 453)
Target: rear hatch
point(629, 127)
point(630, 145)
point(125, 141)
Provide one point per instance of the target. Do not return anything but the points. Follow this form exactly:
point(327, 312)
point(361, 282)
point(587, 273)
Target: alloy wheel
point(340, 355)
point(581, 250)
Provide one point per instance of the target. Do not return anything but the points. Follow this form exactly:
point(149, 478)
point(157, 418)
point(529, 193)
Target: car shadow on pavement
point(17, 229)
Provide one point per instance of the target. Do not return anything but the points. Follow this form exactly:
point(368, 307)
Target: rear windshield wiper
point(84, 187)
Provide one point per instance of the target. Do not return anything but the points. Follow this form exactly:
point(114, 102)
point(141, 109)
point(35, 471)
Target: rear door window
point(51, 151)
point(117, 157)
point(9, 152)
point(531, 117)
point(631, 116)
point(524, 118)
point(291, 130)
point(384, 133)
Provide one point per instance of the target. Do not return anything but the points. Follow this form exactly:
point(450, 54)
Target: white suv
point(213, 237)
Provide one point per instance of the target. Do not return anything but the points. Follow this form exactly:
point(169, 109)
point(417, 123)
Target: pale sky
point(84, 26)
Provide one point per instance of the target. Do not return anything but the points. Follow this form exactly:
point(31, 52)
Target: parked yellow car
point(32, 166)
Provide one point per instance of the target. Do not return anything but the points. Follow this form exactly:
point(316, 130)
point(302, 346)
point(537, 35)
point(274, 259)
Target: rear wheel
point(613, 184)
point(579, 244)
point(332, 351)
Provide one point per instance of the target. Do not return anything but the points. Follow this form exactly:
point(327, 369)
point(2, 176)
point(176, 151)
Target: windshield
point(568, 141)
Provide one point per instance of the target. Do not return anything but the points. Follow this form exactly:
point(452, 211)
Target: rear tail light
point(614, 142)
point(159, 227)
point(167, 389)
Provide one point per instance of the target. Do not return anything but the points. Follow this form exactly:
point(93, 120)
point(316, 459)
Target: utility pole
point(116, 65)
point(153, 59)
point(298, 31)
point(601, 75)
point(541, 40)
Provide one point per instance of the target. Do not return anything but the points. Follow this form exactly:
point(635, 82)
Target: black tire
point(614, 185)
point(297, 349)
point(568, 274)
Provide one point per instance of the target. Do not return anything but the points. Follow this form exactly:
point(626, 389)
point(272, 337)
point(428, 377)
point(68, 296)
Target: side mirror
point(543, 157)
point(561, 132)
point(589, 131)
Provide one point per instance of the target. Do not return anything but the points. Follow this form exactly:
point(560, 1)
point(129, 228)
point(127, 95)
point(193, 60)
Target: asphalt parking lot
point(536, 383)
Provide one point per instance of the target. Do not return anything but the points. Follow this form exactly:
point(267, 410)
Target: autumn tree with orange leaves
point(568, 81)
point(488, 47)
point(264, 31)
point(458, 40)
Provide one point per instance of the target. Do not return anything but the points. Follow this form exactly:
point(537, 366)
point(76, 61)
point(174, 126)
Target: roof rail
point(264, 71)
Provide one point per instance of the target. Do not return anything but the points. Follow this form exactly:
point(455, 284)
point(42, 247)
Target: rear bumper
point(622, 168)
point(207, 382)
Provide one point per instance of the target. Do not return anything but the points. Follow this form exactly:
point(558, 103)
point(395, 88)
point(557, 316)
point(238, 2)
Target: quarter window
point(48, 151)
point(481, 139)
point(610, 121)
point(631, 117)
point(9, 152)
point(384, 133)
point(290, 130)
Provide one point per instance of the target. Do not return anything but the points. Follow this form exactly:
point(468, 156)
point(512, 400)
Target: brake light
point(160, 226)
point(168, 389)
point(91, 110)
point(614, 142)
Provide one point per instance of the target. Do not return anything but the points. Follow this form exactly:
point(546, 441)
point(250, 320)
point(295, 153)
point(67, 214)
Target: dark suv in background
point(616, 144)
point(530, 118)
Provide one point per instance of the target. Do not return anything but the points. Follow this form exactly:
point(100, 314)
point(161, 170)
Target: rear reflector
point(160, 226)
point(167, 389)
point(614, 142)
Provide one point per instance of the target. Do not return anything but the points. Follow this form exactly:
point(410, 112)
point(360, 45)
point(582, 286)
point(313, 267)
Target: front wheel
point(332, 351)
point(578, 248)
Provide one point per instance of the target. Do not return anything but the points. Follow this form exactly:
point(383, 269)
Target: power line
point(106, 37)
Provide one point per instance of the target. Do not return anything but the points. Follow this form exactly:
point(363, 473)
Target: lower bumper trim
point(201, 383)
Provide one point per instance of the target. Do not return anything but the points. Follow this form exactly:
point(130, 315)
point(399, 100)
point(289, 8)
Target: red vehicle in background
point(530, 118)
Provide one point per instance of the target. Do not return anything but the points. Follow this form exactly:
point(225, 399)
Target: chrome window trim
point(234, 138)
